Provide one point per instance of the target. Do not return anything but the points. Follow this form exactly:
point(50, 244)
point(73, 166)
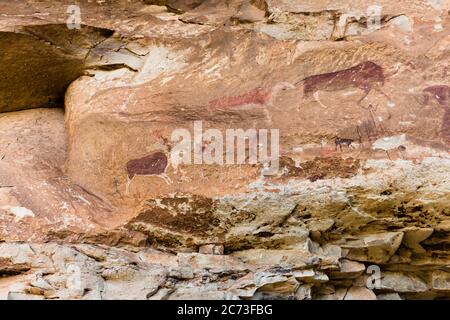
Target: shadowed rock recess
point(93, 204)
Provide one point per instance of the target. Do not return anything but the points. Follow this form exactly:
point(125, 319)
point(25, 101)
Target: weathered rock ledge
point(53, 271)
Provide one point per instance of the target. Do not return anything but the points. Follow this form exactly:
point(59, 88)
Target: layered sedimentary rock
point(356, 208)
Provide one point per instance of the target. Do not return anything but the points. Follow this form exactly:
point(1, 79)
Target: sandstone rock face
point(242, 149)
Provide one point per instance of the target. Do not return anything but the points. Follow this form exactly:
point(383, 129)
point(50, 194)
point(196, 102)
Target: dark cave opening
point(38, 63)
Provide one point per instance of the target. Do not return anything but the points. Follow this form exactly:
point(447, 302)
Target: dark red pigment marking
point(365, 76)
point(262, 97)
point(256, 96)
point(439, 92)
point(155, 163)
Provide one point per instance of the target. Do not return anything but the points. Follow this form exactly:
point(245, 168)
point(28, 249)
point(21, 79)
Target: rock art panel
point(90, 184)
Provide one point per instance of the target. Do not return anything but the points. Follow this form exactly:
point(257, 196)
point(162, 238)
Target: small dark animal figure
point(341, 141)
point(365, 76)
point(153, 164)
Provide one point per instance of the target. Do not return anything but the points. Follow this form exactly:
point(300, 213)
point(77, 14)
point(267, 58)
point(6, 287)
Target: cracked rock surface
point(94, 206)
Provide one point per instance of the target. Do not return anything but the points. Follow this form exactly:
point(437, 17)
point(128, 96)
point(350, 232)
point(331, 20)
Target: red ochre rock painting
point(153, 164)
point(366, 76)
point(259, 96)
point(256, 96)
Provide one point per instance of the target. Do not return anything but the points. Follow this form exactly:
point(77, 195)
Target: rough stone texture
point(364, 177)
